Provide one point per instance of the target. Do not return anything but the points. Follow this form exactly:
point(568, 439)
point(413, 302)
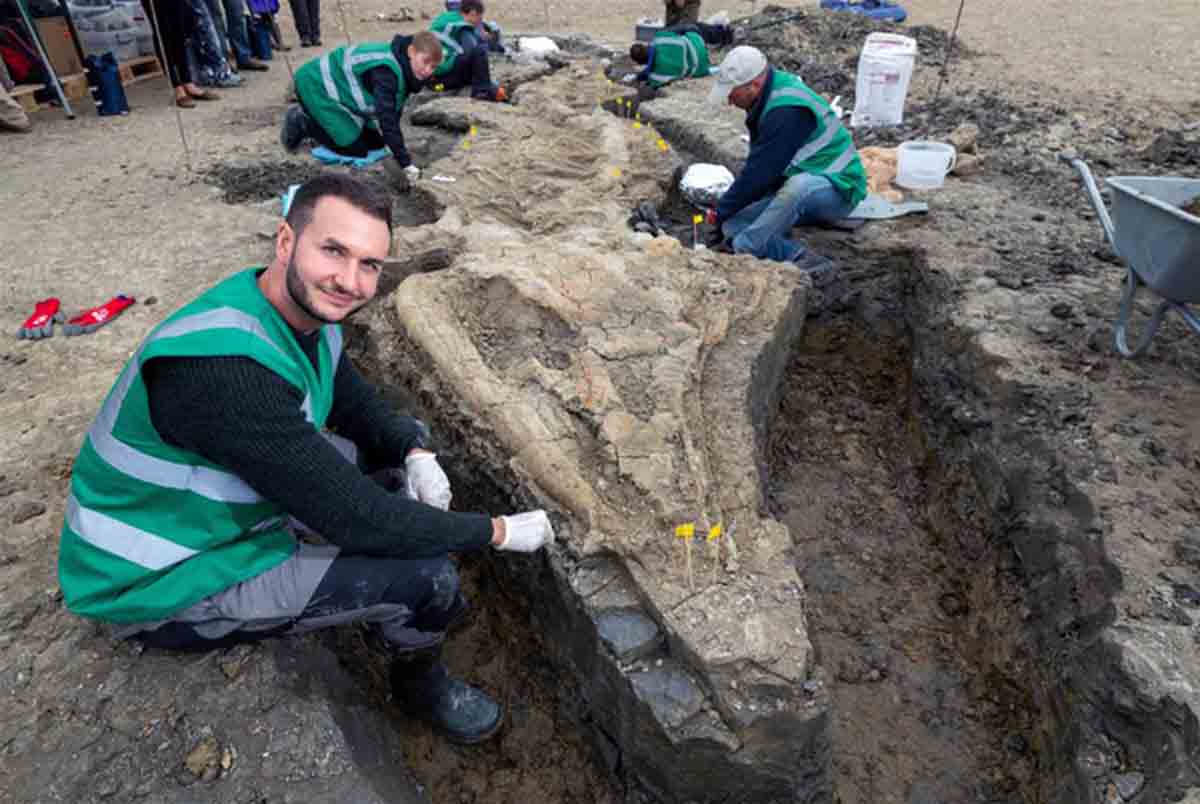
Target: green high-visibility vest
point(151, 528)
point(830, 152)
point(678, 56)
point(446, 27)
point(331, 88)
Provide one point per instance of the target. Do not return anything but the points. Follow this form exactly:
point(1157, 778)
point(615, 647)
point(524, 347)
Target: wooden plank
point(75, 86)
point(139, 69)
point(24, 95)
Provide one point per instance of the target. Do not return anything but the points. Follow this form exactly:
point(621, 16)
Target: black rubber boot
point(422, 687)
point(295, 128)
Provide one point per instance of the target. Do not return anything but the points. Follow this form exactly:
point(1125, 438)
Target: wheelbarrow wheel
point(1120, 339)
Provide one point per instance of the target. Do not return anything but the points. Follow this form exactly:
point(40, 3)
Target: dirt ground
point(96, 206)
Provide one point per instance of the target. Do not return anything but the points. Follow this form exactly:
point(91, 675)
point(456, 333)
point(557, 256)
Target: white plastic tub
point(923, 165)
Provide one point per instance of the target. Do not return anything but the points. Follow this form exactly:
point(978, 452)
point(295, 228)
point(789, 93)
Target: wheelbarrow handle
point(1093, 192)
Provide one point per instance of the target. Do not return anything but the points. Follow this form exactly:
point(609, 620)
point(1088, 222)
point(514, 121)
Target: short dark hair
point(470, 5)
point(363, 194)
point(639, 52)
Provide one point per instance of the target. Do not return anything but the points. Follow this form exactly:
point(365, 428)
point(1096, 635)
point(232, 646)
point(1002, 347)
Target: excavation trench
point(913, 605)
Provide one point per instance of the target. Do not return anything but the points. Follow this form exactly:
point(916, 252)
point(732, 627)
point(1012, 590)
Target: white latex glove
point(629, 78)
point(412, 172)
point(426, 480)
point(526, 532)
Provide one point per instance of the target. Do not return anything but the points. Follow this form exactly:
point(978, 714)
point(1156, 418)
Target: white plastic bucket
point(923, 165)
point(885, 67)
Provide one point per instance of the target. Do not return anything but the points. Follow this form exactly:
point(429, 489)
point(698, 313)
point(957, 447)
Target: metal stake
point(949, 52)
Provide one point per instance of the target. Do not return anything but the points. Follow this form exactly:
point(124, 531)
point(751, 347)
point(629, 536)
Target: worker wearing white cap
point(802, 168)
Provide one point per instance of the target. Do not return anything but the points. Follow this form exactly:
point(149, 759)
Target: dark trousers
point(410, 603)
point(307, 14)
point(174, 22)
point(690, 12)
point(472, 69)
point(711, 34)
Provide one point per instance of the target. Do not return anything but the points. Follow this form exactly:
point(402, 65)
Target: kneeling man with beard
point(214, 448)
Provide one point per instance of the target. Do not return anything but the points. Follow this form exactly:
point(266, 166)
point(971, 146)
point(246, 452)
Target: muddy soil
point(919, 714)
point(268, 180)
point(541, 753)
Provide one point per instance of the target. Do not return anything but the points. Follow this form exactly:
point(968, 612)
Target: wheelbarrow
point(1158, 242)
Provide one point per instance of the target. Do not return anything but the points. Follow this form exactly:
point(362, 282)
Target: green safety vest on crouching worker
point(332, 90)
point(830, 152)
point(446, 27)
point(678, 56)
point(151, 528)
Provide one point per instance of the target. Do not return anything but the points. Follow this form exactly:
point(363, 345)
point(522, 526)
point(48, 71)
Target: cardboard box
point(60, 46)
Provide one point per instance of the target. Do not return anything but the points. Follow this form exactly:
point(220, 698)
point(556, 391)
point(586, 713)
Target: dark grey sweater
point(241, 415)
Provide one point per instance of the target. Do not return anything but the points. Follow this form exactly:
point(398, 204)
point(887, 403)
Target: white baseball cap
point(741, 66)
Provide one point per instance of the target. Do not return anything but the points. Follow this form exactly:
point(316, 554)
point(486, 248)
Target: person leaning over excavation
point(465, 50)
point(669, 57)
point(350, 99)
point(214, 445)
point(802, 167)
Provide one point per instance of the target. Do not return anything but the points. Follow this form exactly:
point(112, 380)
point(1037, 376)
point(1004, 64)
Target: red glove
point(710, 216)
point(41, 323)
point(91, 320)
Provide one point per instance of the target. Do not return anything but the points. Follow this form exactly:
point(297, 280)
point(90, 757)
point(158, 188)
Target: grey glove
point(412, 172)
point(629, 78)
point(426, 481)
point(527, 532)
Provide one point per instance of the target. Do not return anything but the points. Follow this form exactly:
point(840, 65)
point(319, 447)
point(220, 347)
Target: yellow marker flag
point(637, 125)
point(473, 131)
point(466, 144)
point(438, 87)
point(616, 172)
point(685, 531)
point(700, 219)
point(662, 144)
point(714, 532)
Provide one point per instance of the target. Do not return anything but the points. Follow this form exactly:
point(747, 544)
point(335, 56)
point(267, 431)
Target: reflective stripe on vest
point(691, 59)
point(832, 127)
point(448, 40)
point(124, 541)
point(350, 59)
point(213, 484)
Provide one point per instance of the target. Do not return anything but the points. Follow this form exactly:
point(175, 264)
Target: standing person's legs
point(314, 20)
point(217, 16)
point(174, 21)
point(235, 27)
point(212, 62)
point(300, 17)
point(761, 228)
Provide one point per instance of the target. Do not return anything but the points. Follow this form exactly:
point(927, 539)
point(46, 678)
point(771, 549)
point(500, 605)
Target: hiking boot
point(497, 94)
point(254, 64)
point(820, 269)
point(425, 690)
point(295, 128)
